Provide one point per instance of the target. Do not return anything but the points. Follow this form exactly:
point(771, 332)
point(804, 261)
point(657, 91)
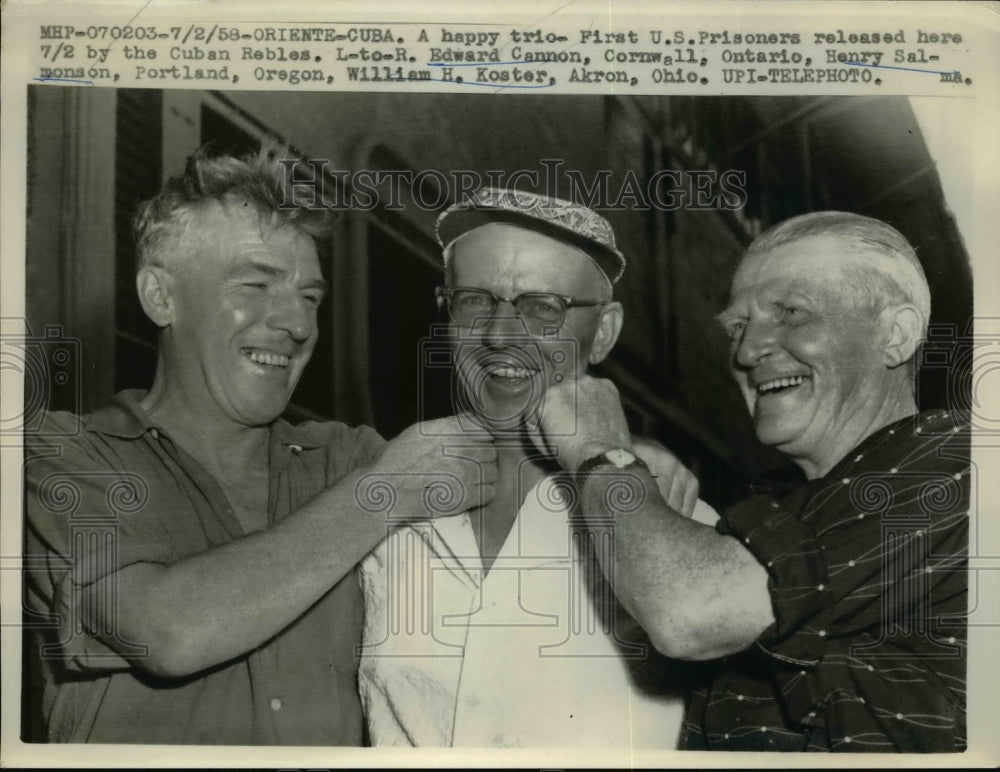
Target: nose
point(503, 325)
point(759, 339)
point(293, 314)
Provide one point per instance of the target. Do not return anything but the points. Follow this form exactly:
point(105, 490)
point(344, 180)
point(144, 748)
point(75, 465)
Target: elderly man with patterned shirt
point(495, 628)
point(835, 612)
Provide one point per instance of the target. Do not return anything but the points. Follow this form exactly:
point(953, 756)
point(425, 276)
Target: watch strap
point(609, 459)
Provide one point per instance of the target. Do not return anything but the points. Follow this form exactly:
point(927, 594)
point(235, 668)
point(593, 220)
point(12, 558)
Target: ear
point(901, 327)
point(609, 326)
point(155, 288)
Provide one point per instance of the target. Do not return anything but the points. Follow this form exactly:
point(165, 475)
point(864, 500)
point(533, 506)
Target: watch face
point(620, 457)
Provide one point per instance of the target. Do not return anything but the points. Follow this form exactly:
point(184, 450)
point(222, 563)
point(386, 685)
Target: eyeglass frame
point(568, 301)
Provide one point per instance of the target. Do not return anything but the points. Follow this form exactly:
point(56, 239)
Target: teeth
point(506, 371)
point(267, 358)
point(780, 383)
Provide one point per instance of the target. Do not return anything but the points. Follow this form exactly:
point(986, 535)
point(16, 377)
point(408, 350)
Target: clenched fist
point(580, 419)
point(432, 469)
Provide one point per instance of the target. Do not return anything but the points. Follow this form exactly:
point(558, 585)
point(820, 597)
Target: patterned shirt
point(867, 575)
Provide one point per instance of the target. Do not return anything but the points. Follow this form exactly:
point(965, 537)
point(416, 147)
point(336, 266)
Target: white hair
point(883, 269)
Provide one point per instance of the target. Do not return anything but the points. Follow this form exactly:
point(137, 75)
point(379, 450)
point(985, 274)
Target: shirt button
point(154, 434)
point(275, 704)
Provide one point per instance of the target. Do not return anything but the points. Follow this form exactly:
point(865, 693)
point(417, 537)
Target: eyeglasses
point(542, 313)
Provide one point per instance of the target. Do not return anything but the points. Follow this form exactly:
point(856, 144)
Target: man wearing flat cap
point(495, 628)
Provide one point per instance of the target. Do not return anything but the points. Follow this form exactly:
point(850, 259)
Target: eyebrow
point(726, 317)
point(318, 284)
point(242, 269)
point(270, 270)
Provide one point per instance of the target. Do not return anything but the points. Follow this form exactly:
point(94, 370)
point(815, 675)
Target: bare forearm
point(209, 608)
point(698, 594)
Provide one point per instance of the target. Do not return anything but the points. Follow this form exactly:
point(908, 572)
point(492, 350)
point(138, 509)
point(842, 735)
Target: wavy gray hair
point(258, 181)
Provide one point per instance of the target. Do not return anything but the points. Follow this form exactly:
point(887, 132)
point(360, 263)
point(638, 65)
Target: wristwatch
point(616, 458)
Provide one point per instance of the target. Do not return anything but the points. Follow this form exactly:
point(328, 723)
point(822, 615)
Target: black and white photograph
point(579, 428)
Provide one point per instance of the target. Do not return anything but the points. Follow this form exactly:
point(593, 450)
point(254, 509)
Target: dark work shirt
point(867, 575)
point(115, 490)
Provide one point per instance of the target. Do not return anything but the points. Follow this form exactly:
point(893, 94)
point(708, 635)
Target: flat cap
point(575, 224)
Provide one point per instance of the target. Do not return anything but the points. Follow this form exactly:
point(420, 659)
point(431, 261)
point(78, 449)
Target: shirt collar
point(876, 444)
point(539, 535)
point(305, 436)
point(862, 453)
point(124, 418)
point(127, 419)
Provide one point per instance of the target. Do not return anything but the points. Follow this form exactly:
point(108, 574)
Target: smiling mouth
point(778, 385)
point(266, 358)
point(506, 373)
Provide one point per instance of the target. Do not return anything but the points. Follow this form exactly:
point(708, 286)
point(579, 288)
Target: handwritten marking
point(476, 64)
point(909, 69)
point(64, 80)
point(460, 82)
point(493, 85)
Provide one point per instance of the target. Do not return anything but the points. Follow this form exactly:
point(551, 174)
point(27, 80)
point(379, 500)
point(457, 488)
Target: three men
point(196, 550)
point(494, 628)
point(836, 611)
point(199, 552)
